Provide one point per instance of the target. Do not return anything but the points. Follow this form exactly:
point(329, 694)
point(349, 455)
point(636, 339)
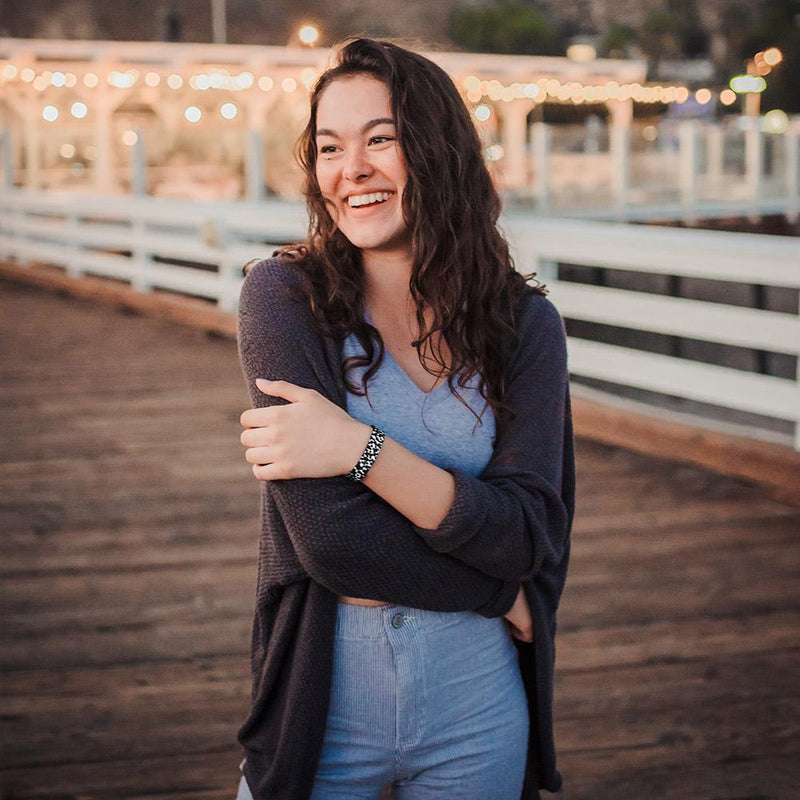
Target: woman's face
point(360, 167)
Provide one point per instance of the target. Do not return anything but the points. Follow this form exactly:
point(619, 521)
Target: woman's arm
point(344, 535)
point(315, 438)
point(515, 517)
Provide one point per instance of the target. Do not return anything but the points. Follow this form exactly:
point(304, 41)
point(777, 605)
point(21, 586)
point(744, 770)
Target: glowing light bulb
point(702, 96)
point(308, 35)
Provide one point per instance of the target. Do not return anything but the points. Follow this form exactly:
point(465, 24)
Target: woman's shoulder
point(538, 315)
point(275, 292)
point(273, 273)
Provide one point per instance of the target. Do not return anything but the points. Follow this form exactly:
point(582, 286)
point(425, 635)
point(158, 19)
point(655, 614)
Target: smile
point(361, 200)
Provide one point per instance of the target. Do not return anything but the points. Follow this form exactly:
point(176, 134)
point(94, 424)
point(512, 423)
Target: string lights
point(481, 93)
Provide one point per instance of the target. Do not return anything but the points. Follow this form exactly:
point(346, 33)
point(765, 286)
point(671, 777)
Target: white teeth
point(367, 199)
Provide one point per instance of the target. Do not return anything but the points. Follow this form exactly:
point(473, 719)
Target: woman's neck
point(386, 287)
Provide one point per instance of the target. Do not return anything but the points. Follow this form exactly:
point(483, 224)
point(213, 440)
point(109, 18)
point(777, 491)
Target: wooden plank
point(679, 316)
point(132, 644)
point(706, 383)
point(686, 639)
point(197, 774)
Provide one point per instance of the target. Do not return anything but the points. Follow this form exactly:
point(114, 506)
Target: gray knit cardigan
point(322, 537)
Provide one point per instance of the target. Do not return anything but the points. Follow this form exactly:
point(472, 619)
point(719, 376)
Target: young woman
point(412, 431)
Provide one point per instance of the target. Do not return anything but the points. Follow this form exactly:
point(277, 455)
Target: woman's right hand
point(520, 619)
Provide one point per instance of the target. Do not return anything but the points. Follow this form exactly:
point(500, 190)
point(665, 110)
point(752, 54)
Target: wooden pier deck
point(129, 522)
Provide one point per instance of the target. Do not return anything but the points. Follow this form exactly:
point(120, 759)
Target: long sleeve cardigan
point(324, 537)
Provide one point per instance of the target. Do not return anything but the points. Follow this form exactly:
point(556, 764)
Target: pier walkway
point(129, 523)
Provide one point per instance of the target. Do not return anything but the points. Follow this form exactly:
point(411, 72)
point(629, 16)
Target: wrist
point(355, 441)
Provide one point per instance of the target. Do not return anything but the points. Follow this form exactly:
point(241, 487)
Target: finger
point(259, 417)
point(518, 633)
point(259, 455)
point(288, 391)
point(269, 472)
point(258, 437)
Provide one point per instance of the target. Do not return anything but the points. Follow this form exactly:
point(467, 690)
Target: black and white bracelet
point(376, 440)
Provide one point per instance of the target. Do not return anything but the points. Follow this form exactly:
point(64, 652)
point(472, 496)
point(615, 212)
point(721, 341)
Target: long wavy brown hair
point(462, 270)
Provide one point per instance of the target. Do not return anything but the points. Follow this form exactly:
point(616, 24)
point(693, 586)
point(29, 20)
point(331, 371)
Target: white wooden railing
point(130, 238)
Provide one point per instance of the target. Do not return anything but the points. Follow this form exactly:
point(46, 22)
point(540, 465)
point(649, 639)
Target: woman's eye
point(381, 139)
point(328, 148)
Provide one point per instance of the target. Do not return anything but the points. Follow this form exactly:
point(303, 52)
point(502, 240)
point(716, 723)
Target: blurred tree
point(508, 26)
point(617, 41)
point(658, 37)
point(172, 25)
point(692, 38)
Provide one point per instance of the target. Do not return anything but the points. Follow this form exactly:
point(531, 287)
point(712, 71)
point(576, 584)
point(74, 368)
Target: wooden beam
point(776, 467)
point(166, 305)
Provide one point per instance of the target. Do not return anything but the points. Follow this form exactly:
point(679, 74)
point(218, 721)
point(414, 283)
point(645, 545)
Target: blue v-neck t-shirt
point(435, 425)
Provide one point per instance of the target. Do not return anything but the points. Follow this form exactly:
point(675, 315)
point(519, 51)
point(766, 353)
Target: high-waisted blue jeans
point(429, 702)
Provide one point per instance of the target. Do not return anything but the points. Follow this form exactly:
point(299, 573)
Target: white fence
point(134, 239)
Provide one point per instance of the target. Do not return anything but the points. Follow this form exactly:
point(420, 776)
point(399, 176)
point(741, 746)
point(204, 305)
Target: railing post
point(255, 166)
point(229, 276)
point(73, 249)
point(7, 156)
point(215, 234)
point(139, 166)
point(620, 144)
point(688, 170)
point(754, 166)
point(797, 393)
point(140, 255)
point(541, 165)
point(791, 142)
point(715, 147)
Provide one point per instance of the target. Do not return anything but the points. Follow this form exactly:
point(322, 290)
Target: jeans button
point(397, 620)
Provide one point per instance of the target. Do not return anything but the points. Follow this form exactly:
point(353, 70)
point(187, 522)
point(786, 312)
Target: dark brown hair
point(462, 269)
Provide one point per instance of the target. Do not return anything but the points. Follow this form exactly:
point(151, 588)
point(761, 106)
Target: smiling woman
point(411, 429)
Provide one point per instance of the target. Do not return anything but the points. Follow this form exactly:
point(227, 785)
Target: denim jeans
point(429, 702)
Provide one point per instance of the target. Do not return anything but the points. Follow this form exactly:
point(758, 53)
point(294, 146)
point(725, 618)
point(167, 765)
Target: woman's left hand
point(311, 437)
point(519, 618)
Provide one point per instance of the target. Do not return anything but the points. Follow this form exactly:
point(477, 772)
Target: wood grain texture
point(127, 566)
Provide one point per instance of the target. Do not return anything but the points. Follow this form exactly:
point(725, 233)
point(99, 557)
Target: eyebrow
point(364, 128)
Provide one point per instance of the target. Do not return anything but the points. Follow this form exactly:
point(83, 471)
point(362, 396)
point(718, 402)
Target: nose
point(357, 167)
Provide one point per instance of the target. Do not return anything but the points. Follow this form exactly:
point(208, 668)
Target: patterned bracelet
point(376, 440)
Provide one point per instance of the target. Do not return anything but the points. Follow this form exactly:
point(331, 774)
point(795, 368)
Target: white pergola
point(140, 93)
